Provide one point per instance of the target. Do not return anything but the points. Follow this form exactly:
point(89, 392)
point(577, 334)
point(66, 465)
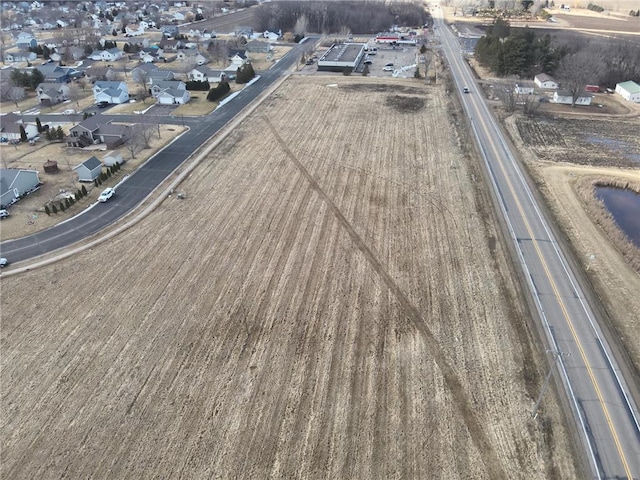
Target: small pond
point(624, 206)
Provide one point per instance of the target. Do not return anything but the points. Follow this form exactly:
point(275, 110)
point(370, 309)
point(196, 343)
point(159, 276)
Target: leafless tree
point(74, 93)
point(302, 25)
point(218, 51)
point(577, 70)
point(15, 94)
point(142, 93)
point(98, 72)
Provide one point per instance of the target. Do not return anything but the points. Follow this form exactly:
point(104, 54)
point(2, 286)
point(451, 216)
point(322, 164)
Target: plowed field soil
point(331, 300)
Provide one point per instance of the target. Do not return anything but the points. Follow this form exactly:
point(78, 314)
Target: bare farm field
point(333, 299)
point(567, 157)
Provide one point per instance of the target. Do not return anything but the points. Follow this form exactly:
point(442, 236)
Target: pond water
point(624, 206)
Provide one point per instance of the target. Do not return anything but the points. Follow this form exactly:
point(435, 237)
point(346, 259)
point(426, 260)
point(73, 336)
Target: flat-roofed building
point(341, 56)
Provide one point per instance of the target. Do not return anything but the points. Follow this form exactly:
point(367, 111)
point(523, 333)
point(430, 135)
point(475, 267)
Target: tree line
point(521, 52)
point(338, 17)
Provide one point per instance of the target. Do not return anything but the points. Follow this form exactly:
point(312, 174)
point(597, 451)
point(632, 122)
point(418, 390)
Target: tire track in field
point(483, 444)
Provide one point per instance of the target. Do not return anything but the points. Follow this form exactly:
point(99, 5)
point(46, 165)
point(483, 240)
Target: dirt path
point(332, 300)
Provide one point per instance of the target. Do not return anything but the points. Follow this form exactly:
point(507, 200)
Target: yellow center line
point(563, 308)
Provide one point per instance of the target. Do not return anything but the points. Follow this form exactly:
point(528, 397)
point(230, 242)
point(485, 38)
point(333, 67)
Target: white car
point(3, 262)
point(106, 195)
point(388, 68)
point(4, 213)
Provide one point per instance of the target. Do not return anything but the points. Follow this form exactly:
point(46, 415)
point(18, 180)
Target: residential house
point(160, 76)
point(134, 30)
point(566, 98)
point(169, 30)
point(151, 54)
point(523, 89)
point(11, 57)
point(170, 93)
point(170, 44)
point(15, 182)
point(243, 31)
point(25, 40)
point(140, 74)
point(192, 56)
point(179, 16)
point(10, 124)
point(545, 81)
point(94, 130)
point(237, 58)
point(88, 170)
point(205, 74)
point(54, 73)
point(109, 55)
point(111, 92)
point(52, 93)
point(272, 36)
point(630, 91)
point(258, 46)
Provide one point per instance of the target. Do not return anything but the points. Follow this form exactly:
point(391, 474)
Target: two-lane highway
point(139, 185)
point(606, 415)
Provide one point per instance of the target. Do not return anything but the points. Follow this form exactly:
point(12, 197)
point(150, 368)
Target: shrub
point(67, 202)
point(54, 209)
point(103, 176)
point(61, 207)
point(84, 190)
point(46, 210)
point(78, 194)
point(219, 92)
point(346, 71)
point(95, 182)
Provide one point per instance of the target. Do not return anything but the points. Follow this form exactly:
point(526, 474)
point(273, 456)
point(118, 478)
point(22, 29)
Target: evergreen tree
point(39, 125)
point(59, 133)
point(23, 134)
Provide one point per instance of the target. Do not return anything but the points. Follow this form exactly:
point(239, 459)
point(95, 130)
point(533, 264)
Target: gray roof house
point(52, 93)
point(89, 170)
point(170, 93)
point(14, 183)
point(10, 128)
point(257, 46)
point(111, 92)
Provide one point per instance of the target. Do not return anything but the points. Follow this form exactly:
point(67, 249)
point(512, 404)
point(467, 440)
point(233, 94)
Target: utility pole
point(556, 356)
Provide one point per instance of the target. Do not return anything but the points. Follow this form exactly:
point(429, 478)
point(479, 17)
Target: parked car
point(106, 195)
point(103, 104)
point(4, 213)
point(465, 90)
point(3, 262)
point(388, 67)
point(367, 61)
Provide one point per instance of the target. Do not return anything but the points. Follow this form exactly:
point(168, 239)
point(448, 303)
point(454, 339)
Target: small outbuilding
point(89, 170)
point(545, 81)
point(630, 91)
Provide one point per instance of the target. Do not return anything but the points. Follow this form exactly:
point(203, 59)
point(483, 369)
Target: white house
point(170, 92)
point(110, 55)
point(565, 98)
point(112, 158)
point(546, 82)
point(271, 36)
point(10, 124)
point(630, 91)
point(186, 55)
point(523, 90)
point(110, 92)
point(134, 30)
point(205, 74)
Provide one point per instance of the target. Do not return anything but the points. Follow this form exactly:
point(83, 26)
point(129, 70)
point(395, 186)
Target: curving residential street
point(603, 408)
point(139, 185)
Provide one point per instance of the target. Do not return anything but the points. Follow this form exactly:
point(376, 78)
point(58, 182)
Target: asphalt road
point(140, 184)
point(606, 416)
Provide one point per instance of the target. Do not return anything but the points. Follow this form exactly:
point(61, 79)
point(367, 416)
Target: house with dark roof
point(16, 182)
point(94, 130)
point(52, 93)
point(110, 92)
point(10, 124)
point(88, 170)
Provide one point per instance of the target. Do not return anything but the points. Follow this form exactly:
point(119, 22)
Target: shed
point(89, 170)
point(630, 91)
point(15, 182)
point(545, 81)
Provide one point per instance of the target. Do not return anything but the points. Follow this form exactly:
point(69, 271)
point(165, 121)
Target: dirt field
point(337, 304)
